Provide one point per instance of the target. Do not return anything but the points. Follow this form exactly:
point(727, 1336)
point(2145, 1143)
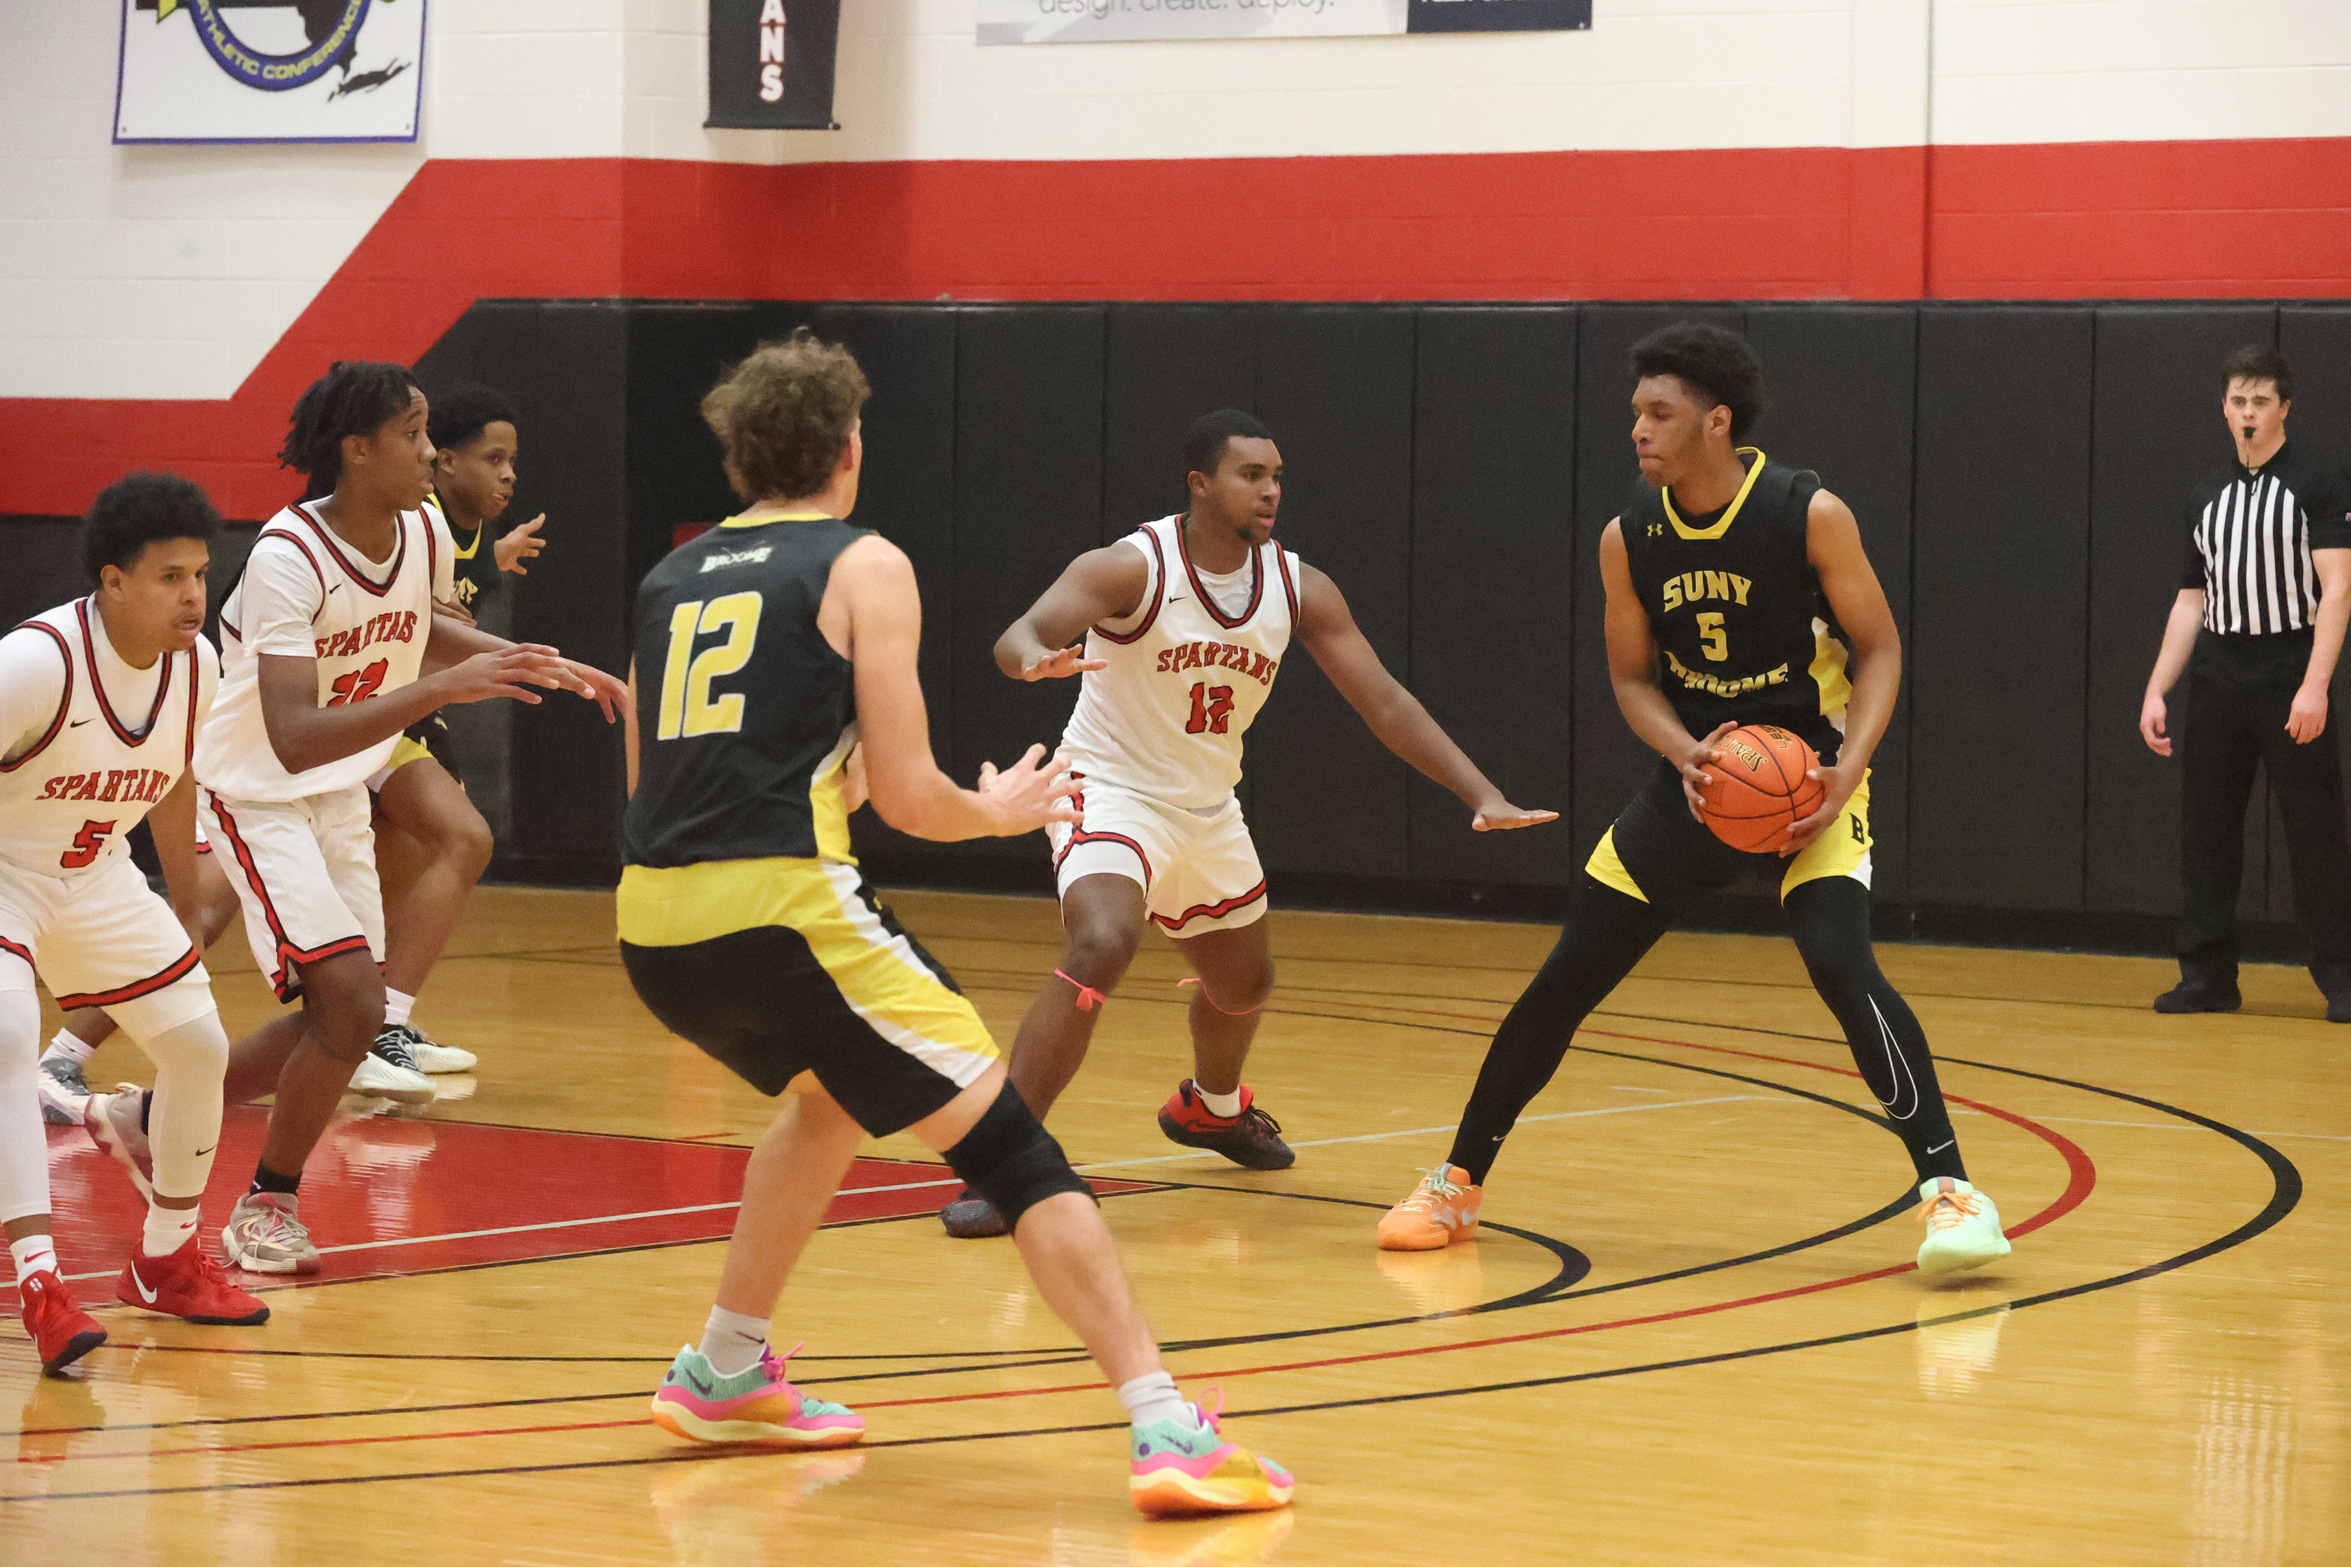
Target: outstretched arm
point(872, 614)
point(1103, 584)
point(1395, 715)
point(454, 640)
point(1850, 583)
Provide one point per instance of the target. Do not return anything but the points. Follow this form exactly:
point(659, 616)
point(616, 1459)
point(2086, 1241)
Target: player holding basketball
point(1735, 588)
point(1186, 621)
point(100, 700)
point(332, 648)
point(766, 652)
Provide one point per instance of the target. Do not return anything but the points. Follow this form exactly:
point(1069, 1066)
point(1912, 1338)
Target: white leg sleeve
point(183, 1123)
point(24, 1146)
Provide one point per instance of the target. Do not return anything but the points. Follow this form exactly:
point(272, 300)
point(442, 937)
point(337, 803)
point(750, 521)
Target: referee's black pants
point(2239, 691)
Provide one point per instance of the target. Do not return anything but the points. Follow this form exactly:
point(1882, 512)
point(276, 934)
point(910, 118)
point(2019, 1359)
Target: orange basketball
point(1760, 788)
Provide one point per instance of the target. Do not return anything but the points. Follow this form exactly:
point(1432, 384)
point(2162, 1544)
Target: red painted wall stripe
point(2250, 219)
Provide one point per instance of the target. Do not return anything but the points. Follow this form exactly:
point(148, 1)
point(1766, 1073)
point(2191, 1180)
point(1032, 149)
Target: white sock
point(1154, 1397)
point(69, 1046)
point(168, 1229)
point(731, 1342)
point(1225, 1105)
point(34, 1254)
point(397, 1005)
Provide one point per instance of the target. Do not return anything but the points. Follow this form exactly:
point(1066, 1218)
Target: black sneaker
point(972, 1217)
point(1252, 1139)
point(2195, 995)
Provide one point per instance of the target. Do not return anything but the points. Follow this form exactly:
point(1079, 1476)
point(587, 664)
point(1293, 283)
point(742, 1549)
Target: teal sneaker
point(1188, 1467)
point(757, 1405)
point(1963, 1227)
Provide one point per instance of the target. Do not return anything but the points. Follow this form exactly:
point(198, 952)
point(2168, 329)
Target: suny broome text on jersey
point(1743, 631)
point(1185, 678)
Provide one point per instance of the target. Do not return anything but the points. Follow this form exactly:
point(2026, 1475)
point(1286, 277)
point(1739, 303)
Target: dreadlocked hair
point(354, 397)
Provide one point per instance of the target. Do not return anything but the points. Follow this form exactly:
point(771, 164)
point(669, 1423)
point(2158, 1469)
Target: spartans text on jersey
point(1218, 655)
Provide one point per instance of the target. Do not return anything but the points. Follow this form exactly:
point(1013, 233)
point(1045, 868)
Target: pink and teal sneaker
point(757, 1405)
point(1188, 1467)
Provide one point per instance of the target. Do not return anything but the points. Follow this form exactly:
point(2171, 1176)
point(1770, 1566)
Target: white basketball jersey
point(1186, 678)
point(68, 802)
point(311, 594)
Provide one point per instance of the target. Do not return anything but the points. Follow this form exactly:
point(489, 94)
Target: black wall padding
point(1839, 380)
point(1493, 579)
point(1166, 365)
point(2158, 430)
point(1028, 499)
point(2002, 555)
point(1610, 762)
point(675, 476)
point(44, 566)
point(1335, 385)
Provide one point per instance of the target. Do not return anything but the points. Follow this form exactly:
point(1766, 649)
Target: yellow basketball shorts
point(1658, 852)
point(775, 967)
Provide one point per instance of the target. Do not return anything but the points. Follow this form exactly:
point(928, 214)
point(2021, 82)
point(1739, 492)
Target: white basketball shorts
point(305, 871)
point(1199, 872)
point(102, 940)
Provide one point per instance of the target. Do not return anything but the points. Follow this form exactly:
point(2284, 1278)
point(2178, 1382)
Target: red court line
point(2082, 1178)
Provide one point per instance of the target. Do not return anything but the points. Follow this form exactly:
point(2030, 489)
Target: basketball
point(1761, 787)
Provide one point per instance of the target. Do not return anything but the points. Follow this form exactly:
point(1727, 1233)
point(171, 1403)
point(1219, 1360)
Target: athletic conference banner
point(269, 70)
point(1106, 21)
point(771, 64)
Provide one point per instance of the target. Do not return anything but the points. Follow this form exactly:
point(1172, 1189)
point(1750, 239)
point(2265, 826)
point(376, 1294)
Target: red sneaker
point(60, 1330)
point(187, 1284)
point(1252, 1139)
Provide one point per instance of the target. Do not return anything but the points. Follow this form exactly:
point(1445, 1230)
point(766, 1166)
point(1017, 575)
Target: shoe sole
point(1961, 1262)
point(399, 1096)
point(258, 1317)
point(688, 1426)
point(1181, 1134)
point(75, 1348)
point(467, 1065)
point(1170, 1493)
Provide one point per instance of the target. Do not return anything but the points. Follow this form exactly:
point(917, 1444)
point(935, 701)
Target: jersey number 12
point(687, 706)
point(1212, 709)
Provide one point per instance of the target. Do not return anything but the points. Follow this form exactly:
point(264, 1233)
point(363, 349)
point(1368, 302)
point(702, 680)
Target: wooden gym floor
point(1690, 1334)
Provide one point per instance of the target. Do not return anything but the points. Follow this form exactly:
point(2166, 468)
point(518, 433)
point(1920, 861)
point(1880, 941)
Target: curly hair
point(461, 413)
point(138, 510)
point(2259, 362)
point(354, 397)
point(1716, 365)
point(783, 416)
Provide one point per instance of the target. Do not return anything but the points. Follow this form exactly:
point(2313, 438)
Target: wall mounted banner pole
point(1105, 21)
point(771, 64)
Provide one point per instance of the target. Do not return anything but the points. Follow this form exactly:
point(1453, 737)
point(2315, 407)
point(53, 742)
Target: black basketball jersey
point(745, 714)
point(1744, 633)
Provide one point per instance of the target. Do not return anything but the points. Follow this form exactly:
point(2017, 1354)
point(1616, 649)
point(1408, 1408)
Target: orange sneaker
point(1441, 1210)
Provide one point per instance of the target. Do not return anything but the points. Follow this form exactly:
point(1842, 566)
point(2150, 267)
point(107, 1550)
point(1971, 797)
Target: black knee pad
point(1009, 1158)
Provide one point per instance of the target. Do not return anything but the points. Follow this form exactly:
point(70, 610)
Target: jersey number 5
point(1212, 709)
point(88, 844)
point(1713, 641)
point(687, 707)
point(359, 684)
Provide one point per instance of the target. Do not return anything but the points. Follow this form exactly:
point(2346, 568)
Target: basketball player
point(1186, 621)
point(432, 844)
point(99, 704)
point(1738, 593)
point(331, 649)
point(766, 650)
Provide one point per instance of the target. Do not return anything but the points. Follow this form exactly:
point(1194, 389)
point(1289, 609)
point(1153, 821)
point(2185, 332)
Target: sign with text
point(269, 70)
point(1110, 21)
point(771, 64)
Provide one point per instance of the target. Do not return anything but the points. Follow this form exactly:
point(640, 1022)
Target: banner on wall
point(269, 70)
point(1108, 21)
point(771, 64)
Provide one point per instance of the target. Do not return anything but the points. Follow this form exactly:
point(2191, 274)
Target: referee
point(2257, 627)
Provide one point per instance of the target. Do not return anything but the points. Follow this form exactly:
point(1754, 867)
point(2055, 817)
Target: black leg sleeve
point(1605, 935)
point(1831, 918)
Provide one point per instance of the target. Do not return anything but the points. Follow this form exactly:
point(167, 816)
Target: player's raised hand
point(508, 672)
point(1499, 815)
point(520, 544)
point(1061, 663)
point(1031, 792)
point(1693, 764)
point(604, 690)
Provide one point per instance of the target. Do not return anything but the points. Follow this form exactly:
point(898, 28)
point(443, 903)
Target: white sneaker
point(380, 1077)
point(265, 1235)
point(429, 1057)
point(61, 1088)
point(1963, 1227)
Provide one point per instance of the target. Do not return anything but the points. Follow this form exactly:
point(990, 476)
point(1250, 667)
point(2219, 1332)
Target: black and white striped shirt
point(2251, 531)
